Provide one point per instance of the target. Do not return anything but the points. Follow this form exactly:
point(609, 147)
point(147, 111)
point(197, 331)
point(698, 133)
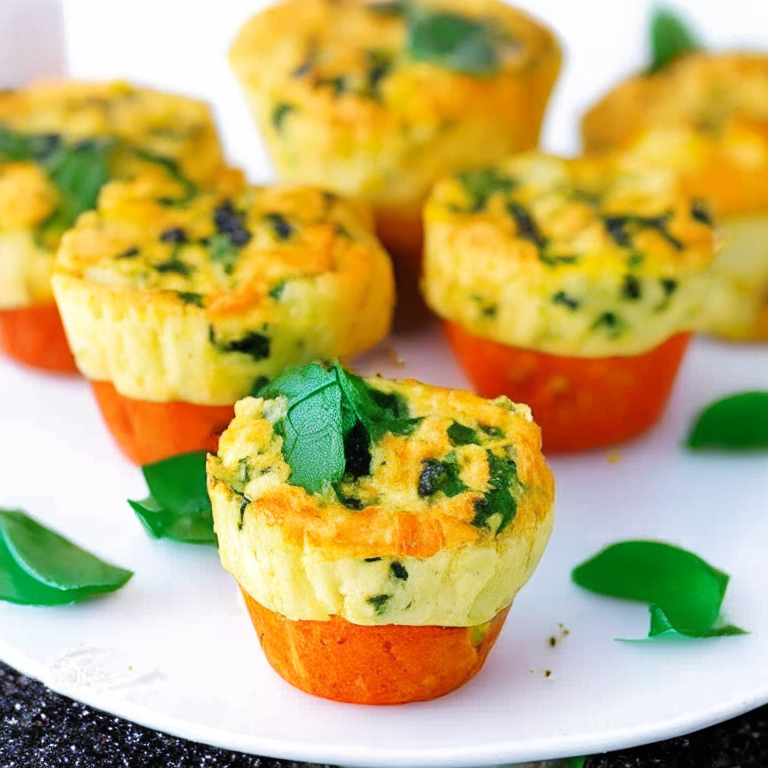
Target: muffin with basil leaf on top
point(175, 312)
point(379, 529)
point(59, 143)
point(379, 98)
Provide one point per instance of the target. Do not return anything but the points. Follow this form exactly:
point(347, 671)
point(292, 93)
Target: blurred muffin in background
point(175, 311)
point(59, 143)
point(569, 285)
point(376, 99)
point(706, 116)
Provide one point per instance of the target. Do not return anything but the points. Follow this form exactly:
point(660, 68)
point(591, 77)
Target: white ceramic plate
point(174, 650)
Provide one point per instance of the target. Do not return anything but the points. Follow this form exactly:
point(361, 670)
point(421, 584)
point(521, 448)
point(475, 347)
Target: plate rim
point(501, 753)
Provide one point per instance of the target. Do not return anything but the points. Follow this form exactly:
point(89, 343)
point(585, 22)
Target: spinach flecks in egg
point(257, 345)
point(440, 476)
point(281, 227)
point(189, 297)
point(481, 185)
point(398, 570)
point(379, 603)
point(460, 434)
point(526, 225)
point(566, 300)
point(279, 113)
point(499, 498)
point(452, 41)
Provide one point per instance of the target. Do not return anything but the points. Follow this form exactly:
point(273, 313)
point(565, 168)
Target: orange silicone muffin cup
point(402, 234)
point(579, 402)
point(35, 337)
point(148, 432)
point(386, 664)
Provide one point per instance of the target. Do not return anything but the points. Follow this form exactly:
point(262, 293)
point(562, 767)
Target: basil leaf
point(333, 416)
point(39, 567)
point(685, 592)
point(379, 412)
point(178, 507)
point(738, 422)
point(313, 441)
point(452, 41)
point(662, 626)
point(670, 38)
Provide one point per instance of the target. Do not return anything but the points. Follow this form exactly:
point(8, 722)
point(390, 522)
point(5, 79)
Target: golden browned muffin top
point(69, 111)
point(582, 257)
point(63, 140)
point(708, 93)
point(383, 52)
point(385, 467)
point(705, 115)
point(231, 250)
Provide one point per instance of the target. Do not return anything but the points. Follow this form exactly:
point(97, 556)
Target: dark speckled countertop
point(40, 729)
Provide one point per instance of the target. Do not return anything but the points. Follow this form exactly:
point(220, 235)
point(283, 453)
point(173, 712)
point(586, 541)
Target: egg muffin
point(379, 98)
point(571, 285)
point(706, 116)
point(177, 309)
point(379, 529)
point(59, 143)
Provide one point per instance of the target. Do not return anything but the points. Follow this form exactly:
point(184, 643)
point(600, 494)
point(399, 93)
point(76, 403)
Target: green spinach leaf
point(670, 38)
point(312, 430)
point(178, 506)
point(460, 434)
point(738, 422)
point(499, 499)
point(452, 41)
point(40, 567)
point(332, 412)
point(685, 592)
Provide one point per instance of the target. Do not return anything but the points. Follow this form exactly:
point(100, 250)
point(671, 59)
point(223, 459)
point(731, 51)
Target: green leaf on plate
point(670, 38)
point(661, 625)
point(333, 416)
point(39, 567)
point(178, 507)
point(452, 41)
point(738, 422)
point(685, 592)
